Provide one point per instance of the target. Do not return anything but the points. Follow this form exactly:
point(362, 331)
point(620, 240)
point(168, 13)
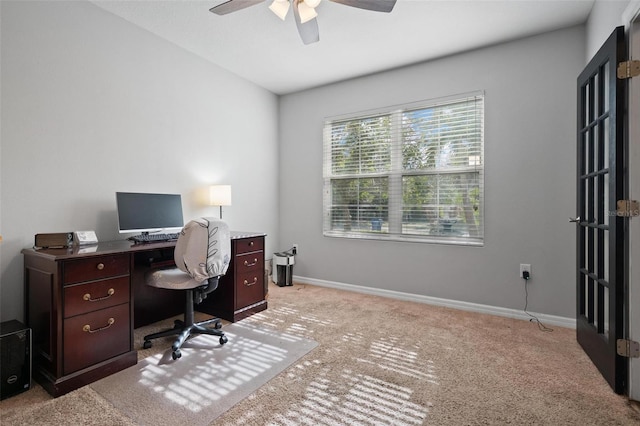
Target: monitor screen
point(142, 212)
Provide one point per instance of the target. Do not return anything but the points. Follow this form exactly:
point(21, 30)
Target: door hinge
point(628, 208)
point(628, 69)
point(628, 348)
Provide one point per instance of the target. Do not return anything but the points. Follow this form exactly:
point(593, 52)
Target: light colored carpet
point(381, 361)
point(206, 381)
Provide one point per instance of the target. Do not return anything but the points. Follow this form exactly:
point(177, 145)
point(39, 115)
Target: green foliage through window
point(414, 173)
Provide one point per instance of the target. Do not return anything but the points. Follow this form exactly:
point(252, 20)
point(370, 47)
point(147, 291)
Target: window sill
point(476, 242)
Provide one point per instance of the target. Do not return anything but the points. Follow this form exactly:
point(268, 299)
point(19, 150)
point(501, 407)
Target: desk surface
point(117, 246)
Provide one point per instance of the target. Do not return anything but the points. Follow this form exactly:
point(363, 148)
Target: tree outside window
point(412, 173)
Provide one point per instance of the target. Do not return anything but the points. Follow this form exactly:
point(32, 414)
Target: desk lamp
point(220, 195)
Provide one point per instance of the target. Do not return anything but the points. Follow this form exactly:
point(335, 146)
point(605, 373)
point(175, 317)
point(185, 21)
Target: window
point(410, 173)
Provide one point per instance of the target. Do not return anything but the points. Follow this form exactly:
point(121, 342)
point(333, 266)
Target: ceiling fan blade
point(233, 6)
point(375, 5)
point(308, 31)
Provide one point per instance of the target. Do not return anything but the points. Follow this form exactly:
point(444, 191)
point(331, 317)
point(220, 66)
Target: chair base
point(184, 330)
point(187, 328)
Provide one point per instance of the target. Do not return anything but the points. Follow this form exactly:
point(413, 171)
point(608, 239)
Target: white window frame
point(394, 227)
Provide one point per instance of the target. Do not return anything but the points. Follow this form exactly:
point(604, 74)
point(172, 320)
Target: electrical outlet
point(525, 267)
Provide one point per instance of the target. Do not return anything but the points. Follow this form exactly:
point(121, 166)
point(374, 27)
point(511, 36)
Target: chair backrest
point(203, 249)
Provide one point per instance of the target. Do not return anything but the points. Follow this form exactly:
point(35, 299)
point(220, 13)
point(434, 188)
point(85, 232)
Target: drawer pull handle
point(88, 329)
point(248, 284)
point(250, 243)
point(88, 298)
point(255, 262)
point(100, 266)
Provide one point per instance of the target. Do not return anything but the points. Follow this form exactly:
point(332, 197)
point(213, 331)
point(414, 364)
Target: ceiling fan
point(304, 12)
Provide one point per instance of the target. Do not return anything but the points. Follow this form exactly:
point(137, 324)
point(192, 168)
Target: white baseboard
point(465, 306)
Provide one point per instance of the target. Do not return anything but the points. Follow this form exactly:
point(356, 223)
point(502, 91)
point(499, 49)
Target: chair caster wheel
point(217, 325)
point(176, 354)
point(223, 340)
point(147, 344)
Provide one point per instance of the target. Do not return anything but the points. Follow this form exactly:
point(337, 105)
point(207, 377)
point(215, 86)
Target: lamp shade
point(220, 195)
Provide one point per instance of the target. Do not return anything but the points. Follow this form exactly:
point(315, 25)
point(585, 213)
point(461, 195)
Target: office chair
point(202, 256)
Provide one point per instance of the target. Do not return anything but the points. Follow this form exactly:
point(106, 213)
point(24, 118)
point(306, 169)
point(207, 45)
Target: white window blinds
point(410, 173)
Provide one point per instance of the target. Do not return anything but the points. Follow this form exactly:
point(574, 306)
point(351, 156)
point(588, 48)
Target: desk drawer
point(95, 268)
point(250, 262)
point(83, 298)
point(249, 288)
point(247, 245)
point(95, 337)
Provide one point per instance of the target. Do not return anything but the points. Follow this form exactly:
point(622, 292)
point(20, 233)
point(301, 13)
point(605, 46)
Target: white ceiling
point(257, 45)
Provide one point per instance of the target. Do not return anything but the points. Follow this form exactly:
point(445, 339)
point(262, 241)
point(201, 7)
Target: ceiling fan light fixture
point(280, 8)
point(312, 3)
point(306, 13)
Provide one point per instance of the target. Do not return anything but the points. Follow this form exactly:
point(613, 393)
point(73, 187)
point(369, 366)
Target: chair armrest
point(201, 292)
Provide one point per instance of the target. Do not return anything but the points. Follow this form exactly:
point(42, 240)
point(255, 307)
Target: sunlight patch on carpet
point(388, 354)
point(355, 399)
point(207, 380)
point(303, 326)
point(336, 396)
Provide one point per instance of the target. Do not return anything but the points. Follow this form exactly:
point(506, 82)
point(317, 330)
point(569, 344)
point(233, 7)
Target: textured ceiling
point(258, 46)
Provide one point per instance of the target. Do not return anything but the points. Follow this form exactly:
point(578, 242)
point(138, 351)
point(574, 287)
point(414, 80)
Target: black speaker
point(15, 358)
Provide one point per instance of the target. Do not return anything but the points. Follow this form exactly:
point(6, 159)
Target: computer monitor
point(145, 213)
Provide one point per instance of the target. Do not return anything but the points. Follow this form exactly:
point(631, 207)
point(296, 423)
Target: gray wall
point(530, 178)
point(85, 95)
point(87, 98)
point(604, 17)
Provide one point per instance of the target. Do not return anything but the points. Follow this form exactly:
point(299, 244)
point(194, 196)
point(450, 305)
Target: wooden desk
point(82, 303)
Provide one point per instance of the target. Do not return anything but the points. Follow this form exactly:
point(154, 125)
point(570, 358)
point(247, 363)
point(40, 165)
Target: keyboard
point(153, 238)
